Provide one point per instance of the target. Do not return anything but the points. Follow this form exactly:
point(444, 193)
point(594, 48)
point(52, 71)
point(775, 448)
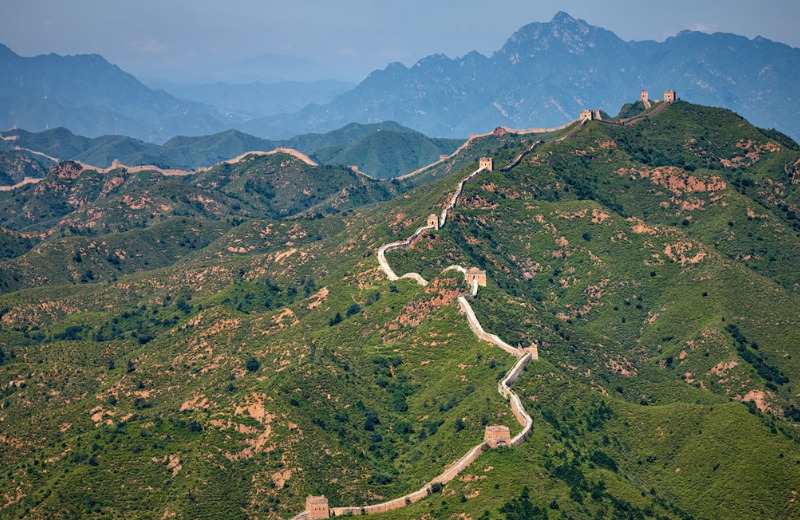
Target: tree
point(252, 365)
point(353, 310)
point(335, 320)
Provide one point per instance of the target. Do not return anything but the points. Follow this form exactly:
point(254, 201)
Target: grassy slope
point(608, 436)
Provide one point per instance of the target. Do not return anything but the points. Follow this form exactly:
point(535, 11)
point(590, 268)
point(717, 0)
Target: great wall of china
point(317, 506)
point(167, 172)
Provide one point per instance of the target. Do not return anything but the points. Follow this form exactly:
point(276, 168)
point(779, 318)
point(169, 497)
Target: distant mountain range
point(237, 102)
point(383, 150)
point(547, 72)
point(92, 97)
point(543, 76)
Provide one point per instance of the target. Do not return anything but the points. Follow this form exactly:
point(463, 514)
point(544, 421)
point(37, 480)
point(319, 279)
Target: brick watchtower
point(433, 220)
point(669, 96)
point(497, 436)
point(317, 507)
point(473, 273)
point(486, 162)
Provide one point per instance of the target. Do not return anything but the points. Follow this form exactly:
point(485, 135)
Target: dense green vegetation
point(389, 154)
point(254, 360)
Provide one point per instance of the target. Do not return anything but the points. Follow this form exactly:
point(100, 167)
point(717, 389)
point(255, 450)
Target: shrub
point(335, 320)
point(353, 310)
point(252, 365)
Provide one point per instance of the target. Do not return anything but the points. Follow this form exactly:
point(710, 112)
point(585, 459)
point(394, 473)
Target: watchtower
point(486, 162)
point(317, 507)
point(444, 157)
point(473, 273)
point(497, 435)
point(587, 115)
point(433, 220)
point(643, 97)
point(669, 96)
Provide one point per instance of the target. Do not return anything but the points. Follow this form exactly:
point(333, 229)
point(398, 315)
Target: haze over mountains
point(542, 76)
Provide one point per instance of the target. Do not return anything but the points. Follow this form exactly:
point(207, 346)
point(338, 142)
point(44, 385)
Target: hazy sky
point(342, 39)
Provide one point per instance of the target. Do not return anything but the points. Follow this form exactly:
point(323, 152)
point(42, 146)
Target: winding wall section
point(524, 356)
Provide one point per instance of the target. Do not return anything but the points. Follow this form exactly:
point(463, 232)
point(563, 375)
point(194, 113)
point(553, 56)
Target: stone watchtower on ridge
point(587, 115)
point(473, 273)
point(433, 220)
point(669, 96)
point(486, 162)
point(317, 507)
point(643, 97)
point(497, 436)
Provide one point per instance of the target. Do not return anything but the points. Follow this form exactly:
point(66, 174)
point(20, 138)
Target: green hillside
point(227, 361)
point(342, 136)
point(388, 154)
point(15, 166)
point(387, 149)
point(89, 202)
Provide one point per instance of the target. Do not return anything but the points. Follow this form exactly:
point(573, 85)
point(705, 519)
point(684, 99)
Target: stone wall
point(477, 329)
point(402, 244)
point(516, 404)
point(446, 476)
point(524, 419)
point(524, 355)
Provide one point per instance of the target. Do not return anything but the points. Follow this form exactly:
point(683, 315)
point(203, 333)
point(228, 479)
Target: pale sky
point(238, 40)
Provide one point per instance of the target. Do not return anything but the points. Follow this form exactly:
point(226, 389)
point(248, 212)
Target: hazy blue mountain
point(248, 100)
point(92, 97)
point(547, 72)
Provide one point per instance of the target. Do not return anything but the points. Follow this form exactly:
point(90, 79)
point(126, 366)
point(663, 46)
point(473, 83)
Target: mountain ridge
point(552, 70)
point(91, 96)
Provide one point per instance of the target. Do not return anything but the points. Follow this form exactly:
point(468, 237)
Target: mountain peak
point(561, 18)
point(564, 32)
